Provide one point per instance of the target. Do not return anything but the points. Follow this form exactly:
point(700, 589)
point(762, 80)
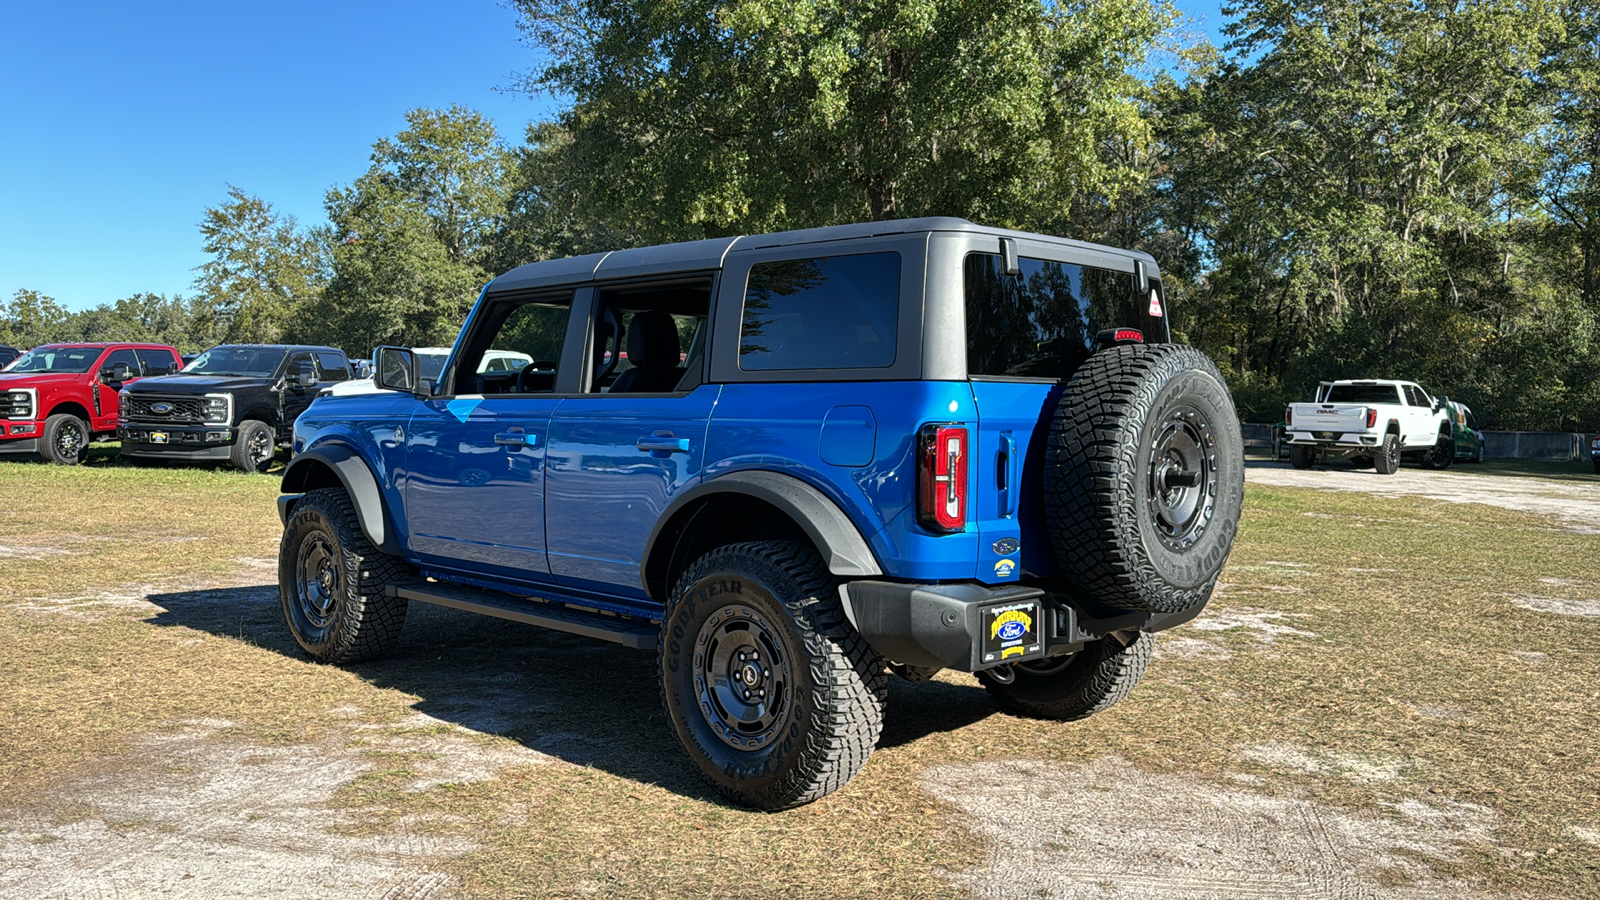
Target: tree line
point(1386, 188)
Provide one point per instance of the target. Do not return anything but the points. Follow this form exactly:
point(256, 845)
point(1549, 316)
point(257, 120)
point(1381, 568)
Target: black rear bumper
point(952, 626)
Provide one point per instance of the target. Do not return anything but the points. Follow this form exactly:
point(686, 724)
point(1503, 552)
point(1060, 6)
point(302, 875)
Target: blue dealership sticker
point(1004, 568)
point(1006, 546)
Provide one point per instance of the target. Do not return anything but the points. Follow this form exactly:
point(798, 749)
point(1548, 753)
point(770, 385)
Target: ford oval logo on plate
point(1006, 546)
point(161, 407)
point(1010, 631)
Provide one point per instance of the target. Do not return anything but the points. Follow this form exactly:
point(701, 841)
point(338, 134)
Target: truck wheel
point(772, 693)
point(1072, 687)
point(255, 447)
point(1144, 477)
point(332, 583)
point(1302, 457)
point(65, 439)
point(1442, 454)
point(1387, 460)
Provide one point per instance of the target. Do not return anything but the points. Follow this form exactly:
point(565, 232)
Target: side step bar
point(640, 634)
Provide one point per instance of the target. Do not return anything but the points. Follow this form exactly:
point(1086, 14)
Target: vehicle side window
point(332, 367)
point(650, 339)
point(126, 356)
point(1415, 397)
point(517, 348)
point(157, 362)
point(1043, 322)
point(831, 312)
point(296, 359)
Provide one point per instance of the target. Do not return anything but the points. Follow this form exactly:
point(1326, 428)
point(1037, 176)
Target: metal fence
point(1547, 446)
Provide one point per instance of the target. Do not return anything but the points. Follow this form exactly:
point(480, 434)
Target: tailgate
point(1327, 417)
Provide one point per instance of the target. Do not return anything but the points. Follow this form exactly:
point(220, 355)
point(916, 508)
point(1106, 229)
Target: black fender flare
point(843, 548)
point(359, 484)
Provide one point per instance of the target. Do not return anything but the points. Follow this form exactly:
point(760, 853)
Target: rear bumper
point(954, 626)
point(199, 442)
point(1336, 440)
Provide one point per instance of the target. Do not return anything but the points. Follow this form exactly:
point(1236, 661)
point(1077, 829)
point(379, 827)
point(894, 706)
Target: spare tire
point(1144, 478)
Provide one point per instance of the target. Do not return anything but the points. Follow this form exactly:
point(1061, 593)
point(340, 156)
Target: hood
point(36, 379)
point(195, 384)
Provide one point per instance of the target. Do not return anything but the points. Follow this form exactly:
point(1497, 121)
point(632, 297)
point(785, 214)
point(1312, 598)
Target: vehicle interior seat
point(653, 351)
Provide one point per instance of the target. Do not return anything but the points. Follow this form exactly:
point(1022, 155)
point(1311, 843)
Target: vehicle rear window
point(830, 312)
point(1363, 393)
point(1042, 323)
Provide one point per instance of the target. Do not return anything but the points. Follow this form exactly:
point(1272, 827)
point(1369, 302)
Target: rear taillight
point(1288, 417)
point(1372, 417)
point(942, 452)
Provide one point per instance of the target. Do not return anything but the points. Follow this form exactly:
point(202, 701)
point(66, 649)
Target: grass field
point(1420, 679)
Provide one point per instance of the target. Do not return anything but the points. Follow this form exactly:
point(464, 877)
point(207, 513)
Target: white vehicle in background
point(430, 363)
point(1371, 422)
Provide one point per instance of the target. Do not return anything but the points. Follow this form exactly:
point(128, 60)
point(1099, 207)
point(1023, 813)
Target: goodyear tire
point(254, 448)
point(1144, 478)
point(1302, 457)
point(1072, 687)
point(773, 695)
point(332, 583)
point(65, 439)
point(1387, 460)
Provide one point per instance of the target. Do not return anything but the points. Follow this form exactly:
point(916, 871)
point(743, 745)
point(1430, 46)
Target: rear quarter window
point(831, 312)
point(1042, 323)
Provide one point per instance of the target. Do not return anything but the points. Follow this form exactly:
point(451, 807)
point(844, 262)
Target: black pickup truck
point(235, 403)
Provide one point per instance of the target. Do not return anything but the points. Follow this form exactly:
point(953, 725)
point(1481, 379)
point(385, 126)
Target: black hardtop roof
point(709, 254)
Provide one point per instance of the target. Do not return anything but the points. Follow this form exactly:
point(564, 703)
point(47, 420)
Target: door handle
point(517, 439)
point(1007, 470)
point(663, 442)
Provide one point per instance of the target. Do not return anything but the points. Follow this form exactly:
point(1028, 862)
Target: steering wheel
point(533, 368)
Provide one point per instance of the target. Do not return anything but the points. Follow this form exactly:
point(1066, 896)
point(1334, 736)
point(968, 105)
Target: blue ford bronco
point(790, 465)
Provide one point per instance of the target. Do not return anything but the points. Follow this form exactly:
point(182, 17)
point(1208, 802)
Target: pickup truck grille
point(175, 410)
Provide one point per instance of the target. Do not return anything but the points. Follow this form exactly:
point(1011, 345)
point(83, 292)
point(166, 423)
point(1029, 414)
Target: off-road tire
point(343, 615)
point(1441, 455)
point(823, 719)
point(1302, 457)
point(1387, 460)
point(1093, 679)
point(65, 439)
point(1132, 426)
point(254, 448)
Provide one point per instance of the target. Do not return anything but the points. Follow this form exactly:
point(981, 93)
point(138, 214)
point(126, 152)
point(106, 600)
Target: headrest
point(653, 340)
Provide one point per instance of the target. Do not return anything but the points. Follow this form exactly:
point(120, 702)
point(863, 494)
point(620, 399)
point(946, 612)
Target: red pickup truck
point(56, 398)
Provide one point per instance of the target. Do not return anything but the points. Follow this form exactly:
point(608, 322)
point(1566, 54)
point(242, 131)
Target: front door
point(105, 405)
point(475, 454)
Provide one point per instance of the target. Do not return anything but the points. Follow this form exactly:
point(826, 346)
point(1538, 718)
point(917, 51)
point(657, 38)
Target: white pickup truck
point(1370, 422)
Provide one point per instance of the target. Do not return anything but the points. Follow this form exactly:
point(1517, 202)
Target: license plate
point(158, 437)
point(1324, 435)
point(1011, 632)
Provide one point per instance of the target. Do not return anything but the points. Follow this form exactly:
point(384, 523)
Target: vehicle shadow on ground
point(1576, 472)
point(584, 701)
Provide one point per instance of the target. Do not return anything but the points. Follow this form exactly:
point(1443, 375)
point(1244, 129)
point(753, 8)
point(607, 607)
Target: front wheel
point(1442, 454)
point(333, 583)
point(770, 691)
point(1072, 687)
point(65, 439)
point(255, 447)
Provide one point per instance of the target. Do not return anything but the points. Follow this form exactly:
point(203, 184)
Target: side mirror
point(396, 370)
point(302, 376)
point(116, 372)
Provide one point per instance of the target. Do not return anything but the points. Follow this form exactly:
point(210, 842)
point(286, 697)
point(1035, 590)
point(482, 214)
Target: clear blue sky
point(121, 122)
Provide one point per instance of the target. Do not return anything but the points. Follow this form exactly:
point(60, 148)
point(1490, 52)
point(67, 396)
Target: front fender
point(309, 470)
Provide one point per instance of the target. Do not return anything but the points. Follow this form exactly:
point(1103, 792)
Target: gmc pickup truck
point(1371, 422)
point(56, 398)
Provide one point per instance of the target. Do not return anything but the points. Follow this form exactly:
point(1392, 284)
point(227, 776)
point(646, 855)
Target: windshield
point(258, 361)
point(1363, 393)
point(56, 359)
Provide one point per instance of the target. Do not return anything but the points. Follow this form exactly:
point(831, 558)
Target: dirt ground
point(426, 776)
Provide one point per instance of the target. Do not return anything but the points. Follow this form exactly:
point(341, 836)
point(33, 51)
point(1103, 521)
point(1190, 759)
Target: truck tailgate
point(1327, 417)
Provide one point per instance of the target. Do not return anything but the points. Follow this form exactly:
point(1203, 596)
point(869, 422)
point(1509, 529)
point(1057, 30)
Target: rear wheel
point(1072, 687)
point(772, 693)
point(255, 447)
point(65, 439)
point(333, 583)
point(1302, 457)
point(1144, 477)
point(1387, 460)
